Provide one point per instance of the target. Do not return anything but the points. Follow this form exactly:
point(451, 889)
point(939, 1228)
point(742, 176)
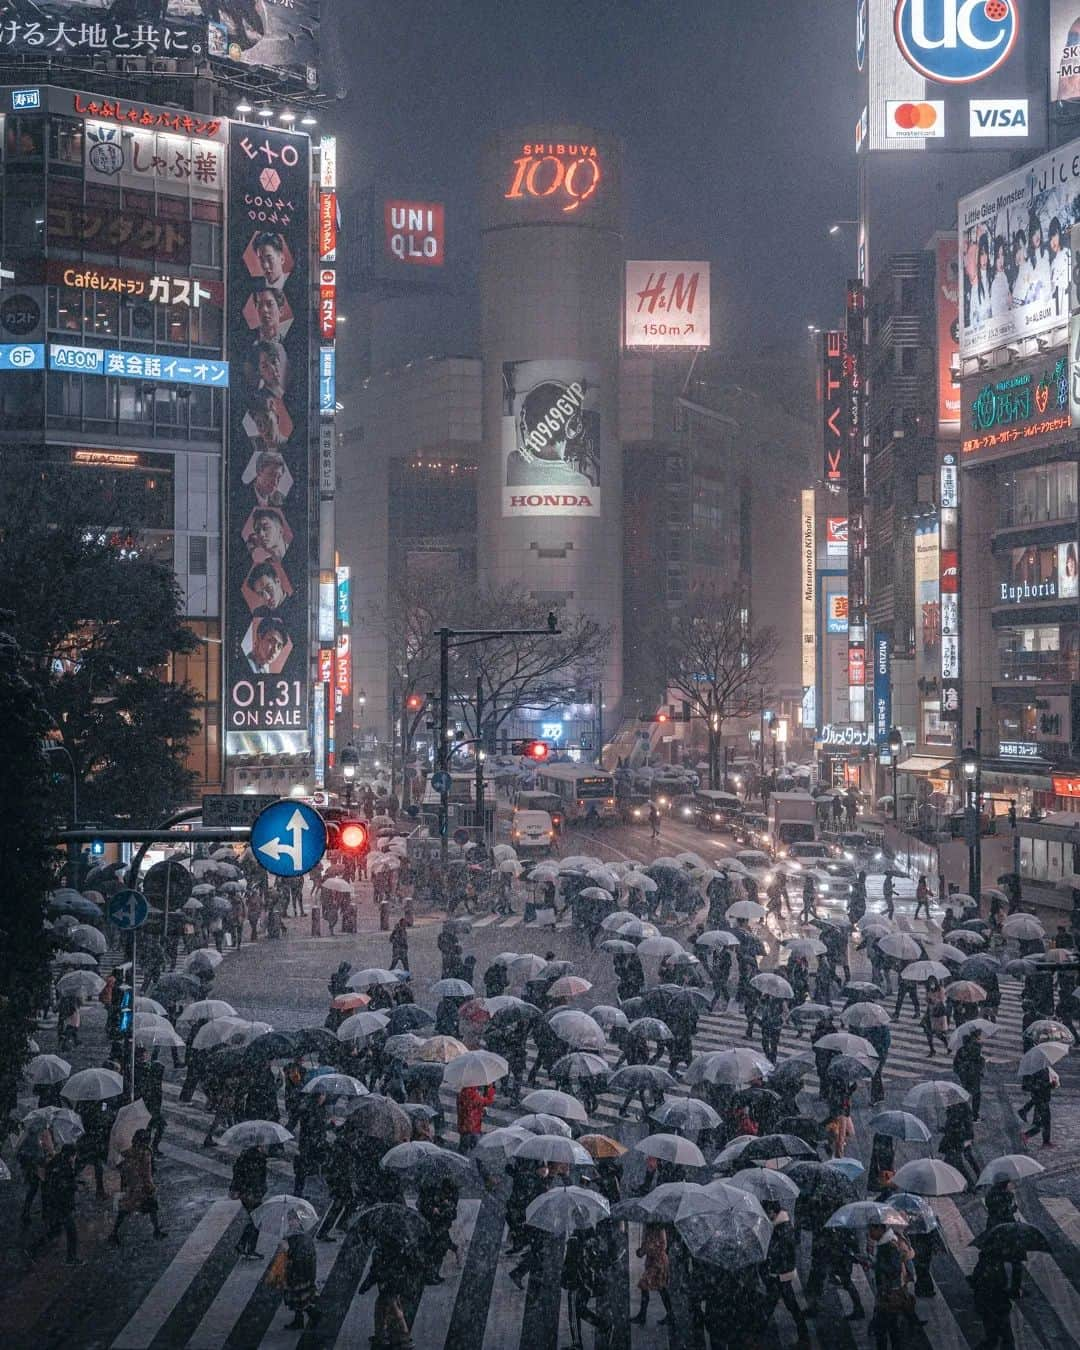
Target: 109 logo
point(956, 41)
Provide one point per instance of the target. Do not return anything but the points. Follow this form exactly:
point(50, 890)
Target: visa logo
point(998, 117)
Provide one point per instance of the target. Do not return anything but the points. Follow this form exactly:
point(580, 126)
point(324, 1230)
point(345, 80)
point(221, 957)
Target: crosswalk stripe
point(437, 1306)
point(512, 921)
point(224, 1312)
point(170, 1288)
point(276, 1336)
point(485, 921)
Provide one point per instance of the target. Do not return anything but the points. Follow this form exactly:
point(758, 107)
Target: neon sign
point(1019, 408)
point(555, 169)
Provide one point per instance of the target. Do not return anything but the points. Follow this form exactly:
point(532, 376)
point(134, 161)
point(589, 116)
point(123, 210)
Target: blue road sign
point(128, 910)
point(441, 781)
point(288, 838)
point(461, 837)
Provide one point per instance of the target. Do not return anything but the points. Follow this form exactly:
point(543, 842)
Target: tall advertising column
point(550, 492)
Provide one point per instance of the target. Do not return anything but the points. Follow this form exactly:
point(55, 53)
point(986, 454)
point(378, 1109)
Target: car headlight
point(824, 887)
point(686, 811)
point(877, 857)
point(850, 857)
point(717, 820)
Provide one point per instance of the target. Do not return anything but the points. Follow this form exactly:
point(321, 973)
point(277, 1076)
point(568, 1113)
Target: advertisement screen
point(837, 619)
point(836, 536)
point(414, 233)
point(947, 310)
point(553, 438)
point(1015, 259)
point(927, 598)
point(1064, 51)
point(808, 590)
point(268, 455)
point(279, 35)
point(952, 74)
point(667, 304)
point(832, 395)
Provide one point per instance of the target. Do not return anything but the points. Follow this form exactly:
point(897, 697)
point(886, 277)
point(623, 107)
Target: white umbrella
point(1023, 928)
point(76, 960)
point(527, 966)
point(219, 1031)
point(553, 1148)
point(336, 1085)
point(566, 1210)
point(452, 989)
point(737, 1068)
point(268, 1133)
point(209, 956)
point(361, 1025)
point(578, 1030)
point(423, 1160)
point(929, 1176)
point(92, 1085)
point(81, 983)
point(130, 1118)
point(502, 852)
point(1041, 1057)
point(900, 946)
point(282, 1214)
point(637, 928)
point(337, 884)
point(746, 909)
point(865, 1015)
point(918, 972)
point(900, 1125)
point(660, 946)
point(475, 1068)
point(936, 1095)
point(672, 1148)
point(766, 1183)
point(206, 1010)
point(44, 1070)
point(1009, 1167)
point(772, 985)
point(638, 881)
point(157, 1033)
point(559, 1104)
point(149, 1005)
point(539, 1122)
point(607, 1016)
point(844, 1043)
point(966, 1029)
point(720, 937)
point(1047, 1029)
point(499, 1145)
point(364, 979)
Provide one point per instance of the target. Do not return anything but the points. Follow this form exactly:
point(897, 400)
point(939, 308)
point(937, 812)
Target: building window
point(1048, 652)
point(66, 140)
point(1038, 495)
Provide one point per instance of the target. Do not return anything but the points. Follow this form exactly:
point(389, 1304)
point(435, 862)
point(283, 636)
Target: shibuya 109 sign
point(568, 173)
point(558, 175)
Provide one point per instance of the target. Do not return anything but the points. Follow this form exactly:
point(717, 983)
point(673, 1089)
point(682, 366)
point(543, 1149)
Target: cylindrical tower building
point(550, 481)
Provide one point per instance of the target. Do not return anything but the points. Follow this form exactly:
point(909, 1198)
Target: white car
point(759, 865)
point(532, 830)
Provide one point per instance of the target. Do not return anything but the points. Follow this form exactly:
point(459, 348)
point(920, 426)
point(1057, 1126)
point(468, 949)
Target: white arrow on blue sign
point(441, 781)
point(288, 838)
point(128, 910)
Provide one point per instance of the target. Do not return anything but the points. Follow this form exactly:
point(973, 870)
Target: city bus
point(582, 790)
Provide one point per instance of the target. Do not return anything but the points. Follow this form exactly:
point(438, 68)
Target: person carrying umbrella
point(880, 1038)
point(836, 948)
point(993, 1300)
point(139, 1189)
point(772, 1021)
point(67, 1023)
point(472, 1102)
point(969, 1064)
point(301, 1293)
point(92, 1146)
point(657, 1271)
point(892, 1301)
point(718, 894)
point(248, 1185)
point(1001, 1208)
point(438, 1205)
point(825, 979)
point(237, 915)
point(957, 1141)
point(1040, 1087)
point(905, 989)
point(583, 1277)
point(310, 1139)
point(833, 1252)
point(856, 906)
point(149, 1085)
point(720, 975)
point(528, 1181)
point(935, 1018)
point(778, 1270)
point(58, 1206)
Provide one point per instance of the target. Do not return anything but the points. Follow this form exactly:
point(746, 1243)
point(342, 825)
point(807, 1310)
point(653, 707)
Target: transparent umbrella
point(1009, 1167)
point(158, 1035)
point(440, 1050)
point(251, 1132)
point(865, 1015)
point(206, 1010)
point(475, 1068)
point(76, 960)
point(900, 1125)
point(929, 1176)
point(553, 1148)
point(284, 1214)
point(45, 1070)
point(559, 1104)
point(660, 1205)
point(578, 1030)
point(724, 1226)
point(361, 1025)
point(81, 983)
point(737, 1068)
point(1041, 1057)
point(567, 1209)
point(686, 1113)
point(92, 1085)
point(772, 985)
point(766, 1183)
point(936, 1096)
point(423, 1161)
point(538, 1122)
point(336, 1085)
point(863, 1213)
point(671, 1148)
point(64, 1125)
point(608, 1017)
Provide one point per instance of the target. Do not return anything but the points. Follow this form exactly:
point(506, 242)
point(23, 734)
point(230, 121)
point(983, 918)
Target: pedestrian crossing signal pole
point(126, 1021)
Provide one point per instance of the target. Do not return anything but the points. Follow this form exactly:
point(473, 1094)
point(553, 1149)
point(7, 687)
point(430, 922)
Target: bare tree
point(718, 663)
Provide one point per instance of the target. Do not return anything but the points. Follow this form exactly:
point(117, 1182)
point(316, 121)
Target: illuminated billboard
point(947, 315)
point(952, 74)
point(808, 561)
point(553, 438)
point(414, 233)
point(832, 394)
point(1015, 259)
point(166, 29)
point(1023, 410)
point(277, 35)
point(268, 586)
point(1064, 51)
point(667, 304)
point(566, 176)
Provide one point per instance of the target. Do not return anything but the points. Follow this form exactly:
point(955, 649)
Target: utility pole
point(443, 759)
point(480, 758)
point(600, 725)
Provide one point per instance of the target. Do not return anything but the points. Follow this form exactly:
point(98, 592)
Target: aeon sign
point(956, 41)
point(570, 174)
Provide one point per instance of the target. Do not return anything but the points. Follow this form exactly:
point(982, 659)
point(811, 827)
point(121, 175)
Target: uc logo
point(956, 41)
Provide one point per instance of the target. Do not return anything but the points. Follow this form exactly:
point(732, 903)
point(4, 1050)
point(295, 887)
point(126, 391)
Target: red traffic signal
point(353, 837)
point(414, 702)
point(538, 751)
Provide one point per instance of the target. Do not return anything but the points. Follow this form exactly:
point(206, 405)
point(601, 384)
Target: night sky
point(737, 120)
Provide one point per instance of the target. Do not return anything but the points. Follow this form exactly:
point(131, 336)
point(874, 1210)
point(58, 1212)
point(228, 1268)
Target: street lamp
point(896, 745)
point(970, 765)
point(361, 698)
point(350, 762)
point(838, 225)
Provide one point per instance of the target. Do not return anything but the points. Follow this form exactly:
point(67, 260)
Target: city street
point(191, 1288)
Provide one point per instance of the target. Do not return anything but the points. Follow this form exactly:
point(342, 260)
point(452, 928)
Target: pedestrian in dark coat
point(149, 1085)
point(140, 1191)
point(438, 1204)
point(1041, 1088)
point(778, 1272)
point(58, 1205)
point(969, 1064)
point(957, 1140)
point(249, 1187)
point(339, 1174)
point(993, 1300)
point(399, 945)
point(301, 1294)
point(310, 1140)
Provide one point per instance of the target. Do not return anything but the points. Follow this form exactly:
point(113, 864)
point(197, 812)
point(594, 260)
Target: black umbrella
point(409, 1017)
point(392, 1225)
point(226, 1061)
point(979, 968)
point(846, 1069)
point(822, 1188)
point(272, 1045)
point(315, 1040)
point(756, 1100)
point(1012, 1241)
point(861, 989)
point(175, 986)
point(749, 943)
point(974, 926)
point(768, 1147)
point(633, 1008)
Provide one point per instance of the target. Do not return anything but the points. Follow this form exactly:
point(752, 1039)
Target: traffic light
point(414, 702)
point(662, 717)
point(353, 837)
point(345, 833)
point(127, 1007)
point(538, 751)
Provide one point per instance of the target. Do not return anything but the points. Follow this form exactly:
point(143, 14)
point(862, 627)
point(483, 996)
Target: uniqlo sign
point(327, 303)
point(415, 232)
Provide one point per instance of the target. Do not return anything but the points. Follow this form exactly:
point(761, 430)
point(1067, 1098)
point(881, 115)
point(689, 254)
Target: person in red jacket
point(471, 1104)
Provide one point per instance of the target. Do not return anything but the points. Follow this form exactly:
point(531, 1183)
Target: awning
point(923, 764)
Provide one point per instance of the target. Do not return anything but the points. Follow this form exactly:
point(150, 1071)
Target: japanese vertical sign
point(856, 486)
point(832, 395)
point(882, 687)
point(268, 468)
point(808, 589)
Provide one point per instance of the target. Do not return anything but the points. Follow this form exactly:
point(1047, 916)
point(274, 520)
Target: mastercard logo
point(915, 116)
point(911, 119)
